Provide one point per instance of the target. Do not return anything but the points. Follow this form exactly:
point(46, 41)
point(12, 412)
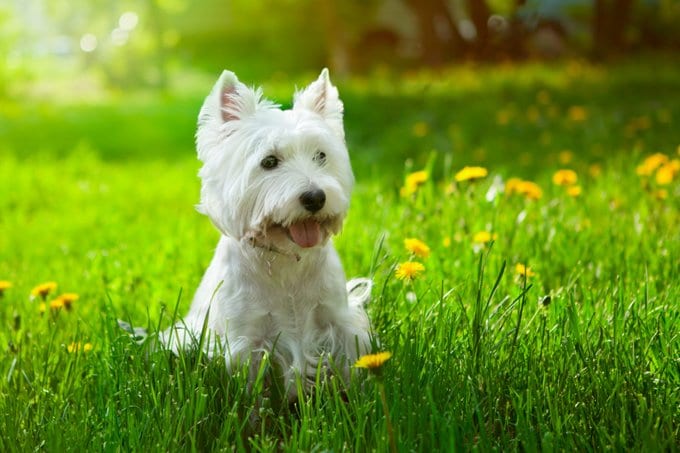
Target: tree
point(610, 21)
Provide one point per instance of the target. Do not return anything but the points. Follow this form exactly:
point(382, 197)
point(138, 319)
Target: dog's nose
point(313, 200)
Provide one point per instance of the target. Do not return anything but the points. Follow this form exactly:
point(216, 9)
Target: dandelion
point(661, 194)
point(574, 191)
point(421, 129)
point(483, 237)
point(637, 124)
point(67, 299)
point(533, 114)
point(523, 270)
point(530, 190)
point(566, 156)
point(595, 170)
point(409, 270)
point(471, 173)
point(412, 182)
point(651, 163)
point(372, 361)
point(527, 189)
point(4, 286)
point(666, 172)
point(503, 117)
point(42, 308)
point(56, 304)
point(577, 113)
point(77, 347)
point(43, 289)
point(446, 242)
point(511, 185)
point(417, 247)
point(565, 177)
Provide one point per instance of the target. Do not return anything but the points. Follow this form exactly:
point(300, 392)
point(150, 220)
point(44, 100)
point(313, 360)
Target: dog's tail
point(359, 291)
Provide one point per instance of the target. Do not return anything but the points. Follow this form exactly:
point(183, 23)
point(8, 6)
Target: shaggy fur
point(277, 184)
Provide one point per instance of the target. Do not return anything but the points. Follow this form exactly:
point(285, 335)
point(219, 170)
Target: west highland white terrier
point(277, 184)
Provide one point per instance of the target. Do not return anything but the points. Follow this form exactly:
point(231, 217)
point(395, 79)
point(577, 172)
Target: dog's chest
point(294, 314)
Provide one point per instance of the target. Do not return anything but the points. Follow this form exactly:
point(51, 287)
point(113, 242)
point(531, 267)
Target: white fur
point(262, 291)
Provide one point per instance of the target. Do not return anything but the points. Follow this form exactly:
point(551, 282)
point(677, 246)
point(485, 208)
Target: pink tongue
point(306, 233)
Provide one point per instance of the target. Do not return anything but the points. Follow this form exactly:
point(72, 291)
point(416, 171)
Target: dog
point(276, 184)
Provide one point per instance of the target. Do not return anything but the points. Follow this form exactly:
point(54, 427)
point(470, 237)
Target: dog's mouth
point(305, 233)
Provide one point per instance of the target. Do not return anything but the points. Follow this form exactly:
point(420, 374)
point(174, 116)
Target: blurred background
point(142, 43)
point(124, 78)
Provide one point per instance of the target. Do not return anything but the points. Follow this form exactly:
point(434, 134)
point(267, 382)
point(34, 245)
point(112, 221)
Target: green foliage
point(581, 355)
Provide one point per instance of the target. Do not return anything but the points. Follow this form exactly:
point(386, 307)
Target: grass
point(581, 355)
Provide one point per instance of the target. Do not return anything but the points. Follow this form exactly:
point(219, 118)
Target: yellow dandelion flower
point(43, 289)
point(522, 270)
point(651, 163)
point(595, 170)
point(67, 299)
point(565, 177)
point(417, 247)
point(417, 177)
point(533, 114)
point(661, 194)
point(666, 172)
point(409, 270)
point(413, 181)
point(407, 191)
point(421, 129)
point(577, 113)
point(471, 173)
point(4, 286)
point(371, 361)
point(483, 237)
point(566, 156)
point(574, 191)
point(446, 242)
point(511, 185)
point(56, 304)
point(529, 189)
point(503, 117)
point(77, 347)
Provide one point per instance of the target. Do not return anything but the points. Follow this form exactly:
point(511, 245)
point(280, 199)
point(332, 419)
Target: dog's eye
point(320, 157)
point(269, 162)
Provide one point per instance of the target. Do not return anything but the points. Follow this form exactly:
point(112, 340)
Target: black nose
point(313, 200)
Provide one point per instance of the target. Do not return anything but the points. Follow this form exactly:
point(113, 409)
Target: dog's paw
point(359, 291)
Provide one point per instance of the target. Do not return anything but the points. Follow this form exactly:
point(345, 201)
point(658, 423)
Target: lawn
point(545, 317)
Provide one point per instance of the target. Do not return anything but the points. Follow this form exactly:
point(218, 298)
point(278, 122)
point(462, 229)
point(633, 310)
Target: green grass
point(101, 201)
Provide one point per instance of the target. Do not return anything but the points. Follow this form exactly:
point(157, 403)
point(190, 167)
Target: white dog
point(276, 183)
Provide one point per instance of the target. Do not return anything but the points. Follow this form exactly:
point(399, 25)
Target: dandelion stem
point(390, 430)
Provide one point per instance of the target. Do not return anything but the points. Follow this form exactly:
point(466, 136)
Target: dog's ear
point(322, 97)
point(229, 100)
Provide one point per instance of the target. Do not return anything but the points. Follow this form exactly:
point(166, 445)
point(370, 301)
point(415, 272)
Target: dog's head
point(280, 178)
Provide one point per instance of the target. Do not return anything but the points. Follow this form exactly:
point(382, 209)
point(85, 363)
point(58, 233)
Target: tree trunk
point(479, 15)
point(610, 21)
point(439, 37)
